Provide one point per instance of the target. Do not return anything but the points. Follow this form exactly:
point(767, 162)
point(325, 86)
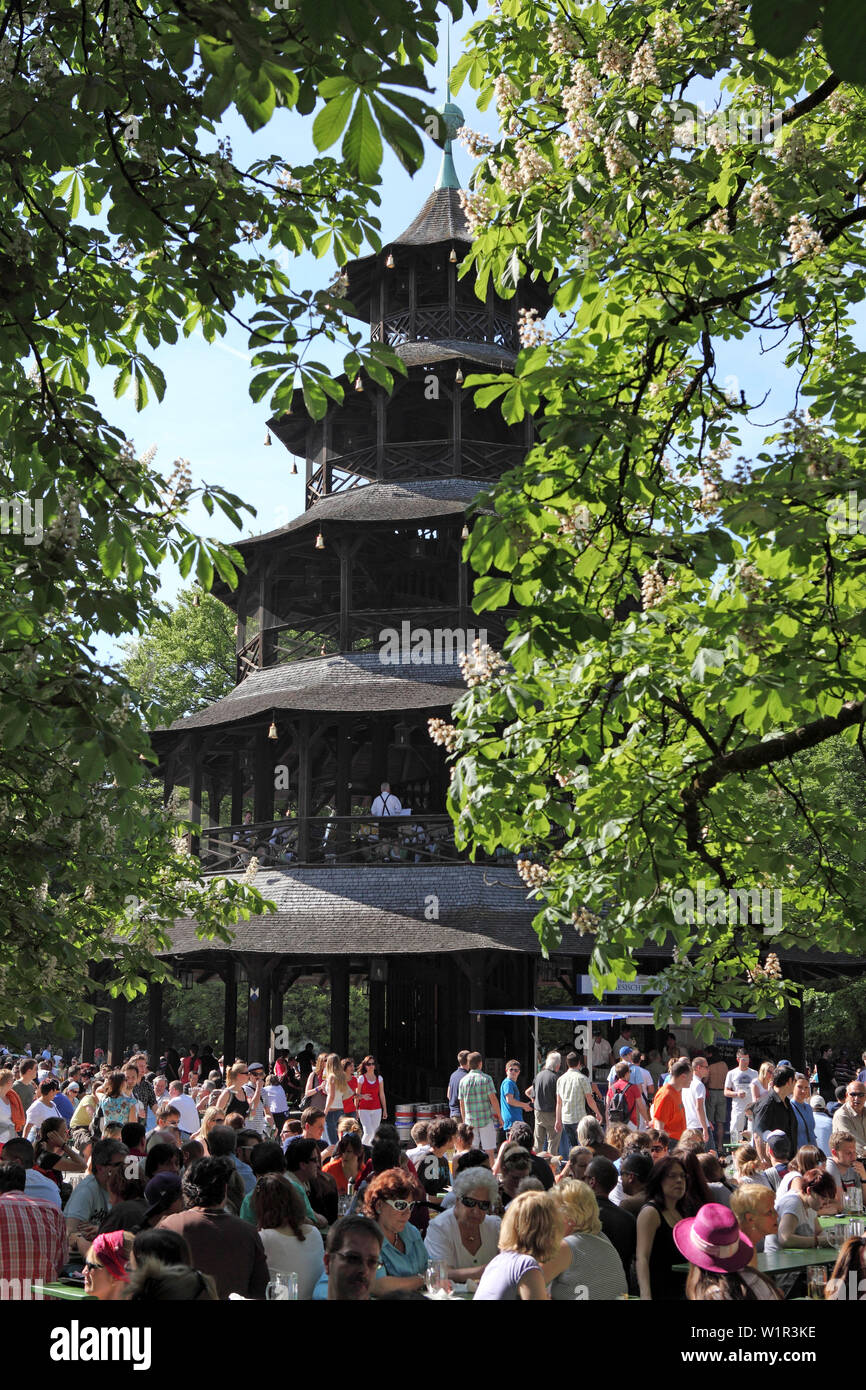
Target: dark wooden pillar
point(154, 1021)
point(259, 973)
point(277, 999)
point(230, 1017)
point(378, 1000)
point(457, 424)
point(263, 785)
point(346, 636)
point(116, 1025)
point(304, 788)
point(237, 811)
point(339, 973)
point(195, 755)
point(476, 967)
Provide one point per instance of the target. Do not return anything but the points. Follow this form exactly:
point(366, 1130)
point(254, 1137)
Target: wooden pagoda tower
point(287, 765)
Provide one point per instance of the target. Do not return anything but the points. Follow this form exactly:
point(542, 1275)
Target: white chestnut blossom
point(803, 239)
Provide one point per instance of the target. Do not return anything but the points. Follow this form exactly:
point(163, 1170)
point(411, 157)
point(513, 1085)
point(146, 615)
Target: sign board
point(640, 985)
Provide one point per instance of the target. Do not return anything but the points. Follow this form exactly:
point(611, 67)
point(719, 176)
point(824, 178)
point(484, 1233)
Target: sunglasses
point(399, 1203)
point(471, 1202)
point(89, 1265)
point(658, 1149)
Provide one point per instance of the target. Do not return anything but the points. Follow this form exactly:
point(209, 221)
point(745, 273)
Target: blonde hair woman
point(212, 1116)
point(747, 1165)
point(234, 1099)
point(530, 1235)
point(586, 1264)
point(315, 1085)
point(761, 1087)
point(336, 1089)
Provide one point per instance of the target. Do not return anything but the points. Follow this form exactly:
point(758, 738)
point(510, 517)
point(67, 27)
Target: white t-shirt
point(38, 1112)
point(7, 1129)
point(807, 1218)
point(286, 1255)
point(186, 1108)
point(443, 1241)
point(737, 1080)
point(691, 1095)
point(389, 805)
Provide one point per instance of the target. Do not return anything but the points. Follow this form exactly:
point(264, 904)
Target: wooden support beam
point(154, 1022)
point(304, 788)
point(230, 1015)
point(116, 1026)
point(195, 750)
point(339, 973)
point(263, 780)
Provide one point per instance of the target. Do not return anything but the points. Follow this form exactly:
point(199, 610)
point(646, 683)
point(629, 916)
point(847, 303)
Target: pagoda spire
point(453, 118)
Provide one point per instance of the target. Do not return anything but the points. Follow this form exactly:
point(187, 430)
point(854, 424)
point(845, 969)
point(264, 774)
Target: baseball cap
point(256, 1066)
point(783, 1062)
point(73, 1086)
point(626, 1051)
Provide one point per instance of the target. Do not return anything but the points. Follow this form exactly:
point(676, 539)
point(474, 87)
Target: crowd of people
point(203, 1178)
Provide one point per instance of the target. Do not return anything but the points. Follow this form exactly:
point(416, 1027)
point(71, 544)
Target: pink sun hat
point(713, 1240)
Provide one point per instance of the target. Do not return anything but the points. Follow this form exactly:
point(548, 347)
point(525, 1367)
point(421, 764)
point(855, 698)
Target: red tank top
point(368, 1095)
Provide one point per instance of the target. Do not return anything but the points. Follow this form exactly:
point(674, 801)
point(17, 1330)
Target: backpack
point(619, 1110)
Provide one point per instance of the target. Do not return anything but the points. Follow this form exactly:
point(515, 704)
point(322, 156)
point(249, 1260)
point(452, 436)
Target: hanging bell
point(320, 541)
point(359, 385)
point(294, 467)
point(267, 439)
point(453, 257)
point(464, 534)
point(196, 601)
point(389, 261)
point(272, 731)
point(459, 377)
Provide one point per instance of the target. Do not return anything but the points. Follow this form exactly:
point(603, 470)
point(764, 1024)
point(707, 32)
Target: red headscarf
point(108, 1249)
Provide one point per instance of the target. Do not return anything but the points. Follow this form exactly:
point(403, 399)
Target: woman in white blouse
point(466, 1237)
point(761, 1087)
point(291, 1245)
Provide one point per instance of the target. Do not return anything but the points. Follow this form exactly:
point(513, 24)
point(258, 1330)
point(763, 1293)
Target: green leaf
point(362, 143)
point(330, 121)
point(781, 25)
point(844, 37)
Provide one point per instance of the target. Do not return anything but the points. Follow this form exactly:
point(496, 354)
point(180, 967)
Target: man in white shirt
point(737, 1089)
point(43, 1108)
point(386, 803)
point(601, 1051)
point(695, 1098)
point(185, 1106)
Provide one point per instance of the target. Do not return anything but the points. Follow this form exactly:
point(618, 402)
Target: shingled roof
point(356, 682)
point(376, 911)
point(440, 219)
point(413, 501)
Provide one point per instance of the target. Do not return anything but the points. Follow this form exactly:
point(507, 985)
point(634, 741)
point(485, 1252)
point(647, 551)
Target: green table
point(72, 1293)
point(776, 1261)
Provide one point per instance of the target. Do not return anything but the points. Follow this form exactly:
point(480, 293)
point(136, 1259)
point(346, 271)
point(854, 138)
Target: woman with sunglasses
point(389, 1200)
point(106, 1272)
point(466, 1237)
point(370, 1096)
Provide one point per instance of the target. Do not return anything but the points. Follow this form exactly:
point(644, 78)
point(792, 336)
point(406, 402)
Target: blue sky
point(207, 415)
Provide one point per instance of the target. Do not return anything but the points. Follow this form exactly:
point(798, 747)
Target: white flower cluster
point(109, 834)
point(287, 182)
point(751, 580)
point(718, 136)
point(531, 168)
point(250, 871)
point(506, 94)
point(763, 207)
point(576, 524)
point(725, 16)
point(146, 151)
point(841, 102)
point(479, 664)
point(643, 71)
point(718, 222)
point(563, 40)
point(443, 735)
point(179, 479)
point(793, 149)
point(613, 57)
point(478, 145)
point(585, 922)
point(616, 156)
point(666, 32)
point(770, 970)
point(40, 894)
point(530, 330)
point(249, 231)
point(477, 209)
point(65, 529)
point(803, 239)
point(654, 588)
point(120, 30)
point(804, 435)
point(532, 874)
point(221, 162)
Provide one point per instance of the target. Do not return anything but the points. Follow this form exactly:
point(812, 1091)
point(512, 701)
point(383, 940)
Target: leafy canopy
point(695, 597)
point(121, 228)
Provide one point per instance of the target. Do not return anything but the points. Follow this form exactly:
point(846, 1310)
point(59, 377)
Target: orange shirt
point(669, 1112)
point(335, 1168)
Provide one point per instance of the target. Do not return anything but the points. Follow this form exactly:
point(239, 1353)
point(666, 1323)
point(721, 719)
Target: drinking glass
point(438, 1283)
point(283, 1287)
point(816, 1281)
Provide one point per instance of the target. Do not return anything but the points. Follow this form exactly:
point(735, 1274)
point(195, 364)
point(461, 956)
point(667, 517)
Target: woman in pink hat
point(719, 1256)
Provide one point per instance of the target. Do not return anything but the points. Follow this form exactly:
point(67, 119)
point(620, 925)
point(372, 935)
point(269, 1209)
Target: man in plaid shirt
point(479, 1105)
point(32, 1236)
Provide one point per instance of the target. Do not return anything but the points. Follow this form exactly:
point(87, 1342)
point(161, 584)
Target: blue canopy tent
point(582, 1014)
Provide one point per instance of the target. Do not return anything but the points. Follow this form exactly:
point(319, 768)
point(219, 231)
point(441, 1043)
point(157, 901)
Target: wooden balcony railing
point(335, 840)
